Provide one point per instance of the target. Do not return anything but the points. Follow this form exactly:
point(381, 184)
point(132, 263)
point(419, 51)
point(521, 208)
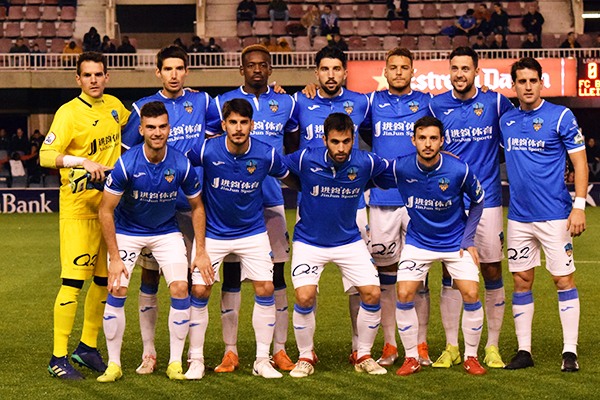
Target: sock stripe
point(447, 282)
point(148, 289)
point(472, 306)
point(115, 301)
point(303, 310)
point(231, 290)
point(405, 306)
point(265, 300)
point(497, 284)
point(371, 307)
point(521, 299)
point(198, 301)
point(566, 295)
point(180, 304)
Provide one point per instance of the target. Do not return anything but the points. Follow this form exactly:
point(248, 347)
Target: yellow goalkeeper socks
point(94, 309)
point(65, 308)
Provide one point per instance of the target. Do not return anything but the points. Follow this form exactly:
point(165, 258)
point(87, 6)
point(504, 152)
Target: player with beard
point(472, 133)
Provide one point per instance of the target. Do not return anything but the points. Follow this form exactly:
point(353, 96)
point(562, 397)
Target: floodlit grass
point(29, 274)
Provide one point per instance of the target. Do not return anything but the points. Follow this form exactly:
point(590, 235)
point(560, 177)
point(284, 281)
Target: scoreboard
point(588, 78)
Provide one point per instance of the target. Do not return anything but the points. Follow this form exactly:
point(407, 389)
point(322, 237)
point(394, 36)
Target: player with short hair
point(138, 211)
point(333, 180)
point(392, 114)
point(471, 121)
point(235, 167)
point(86, 132)
point(272, 117)
point(537, 138)
point(189, 112)
point(433, 186)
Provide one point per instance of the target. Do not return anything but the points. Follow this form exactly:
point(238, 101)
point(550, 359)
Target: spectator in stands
point(91, 40)
point(311, 21)
point(71, 48)
point(499, 42)
point(278, 9)
point(19, 46)
point(338, 41)
point(283, 46)
point(483, 17)
point(17, 169)
point(36, 139)
point(266, 41)
point(570, 42)
point(329, 21)
point(177, 42)
point(246, 11)
point(499, 20)
point(593, 159)
point(531, 42)
point(213, 47)
point(533, 21)
point(466, 24)
point(480, 43)
point(402, 11)
point(20, 143)
point(196, 46)
point(4, 141)
point(36, 60)
point(107, 46)
point(32, 161)
point(126, 46)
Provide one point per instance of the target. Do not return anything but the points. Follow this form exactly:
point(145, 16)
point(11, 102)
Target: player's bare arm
point(201, 261)
point(576, 221)
point(292, 182)
point(473, 252)
point(106, 216)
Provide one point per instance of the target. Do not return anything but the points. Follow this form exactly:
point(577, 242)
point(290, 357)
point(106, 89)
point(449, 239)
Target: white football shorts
point(388, 230)
point(489, 238)
point(415, 263)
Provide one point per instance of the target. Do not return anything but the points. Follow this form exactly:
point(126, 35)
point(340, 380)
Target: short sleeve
point(195, 154)
point(292, 124)
point(504, 105)
point(386, 179)
point(292, 161)
point(117, 181)
point(213, 117)
point(472, 187)
point(278, 167)
point(570, 133)
point(130, 135)
point(191, 183)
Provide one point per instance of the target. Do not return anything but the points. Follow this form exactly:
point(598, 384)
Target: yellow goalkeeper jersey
point(89, 128)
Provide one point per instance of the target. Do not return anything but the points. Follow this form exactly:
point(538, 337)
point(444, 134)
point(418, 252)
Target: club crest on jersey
point(169, 175)
point(579, 137)
point(251, 166)
point(413, 105)
point(478, 109)
point(189, 107)
point(349, 106)
point(569, 249)
point(352, 173)
point(443, 183)
point(273, 105)
point(115, 115)
point(537, 123)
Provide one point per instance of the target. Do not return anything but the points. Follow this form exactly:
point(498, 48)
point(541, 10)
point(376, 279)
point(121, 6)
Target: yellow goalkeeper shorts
point(82, 249)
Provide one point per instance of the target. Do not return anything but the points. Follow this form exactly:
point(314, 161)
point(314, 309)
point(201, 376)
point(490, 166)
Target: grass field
point(29, 276)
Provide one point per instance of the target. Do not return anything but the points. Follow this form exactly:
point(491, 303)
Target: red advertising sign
point(559, 74)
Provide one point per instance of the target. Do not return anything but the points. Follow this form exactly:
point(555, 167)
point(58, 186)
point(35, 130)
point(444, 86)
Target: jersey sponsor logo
point(335, 192)
point(469, 134)
point(478, 109)
point(95, 122)
point(251, 166)
point(50, 138)
point(413, 105)
point(443, 183)
point(525, 144)
point(449, 111)
point(510, 123)
point(384, 105)
point(93, 148)
point(169, 175)
point(349, 106)
point(135, 194)
point(569, 249)
point(420, 203)
point(537, 123)
point(188, 106)
point(273, 105)
point(85, 260)
point(215, 183)
point(217, 163)
point(315, 190)
point(352, 173)
point(578, 139)
point(234, 186)
point(115, 115)
point(313, 107)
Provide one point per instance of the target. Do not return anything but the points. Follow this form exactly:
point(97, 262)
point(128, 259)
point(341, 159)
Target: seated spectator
point(338, 41)
point(126, 46)
point(20, 143)
point(480, 43)
point(329, 21)
point(212, 47)
point(533, 21)
point(38, 60)
point(593, 158)
point(19, 46)
point(16, 165)
point(246, 11)
point(531, 43)
point(4, 140)
point(36, 139)
point(311, 21)
point(266, 41)
point(196, 46)
point(283, 46)
point(177, 42)
point(499, 42)
point(570, 42)
point(32, 161)
point(466, 24)
point(402, 11)
point(107, 46)
point(482, 18)
point(91, 40)
point(278, 9)
point(71, 48)
point(499, 20)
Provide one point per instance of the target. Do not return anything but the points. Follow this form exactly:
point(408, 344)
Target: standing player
point(188, 114)
point(235, 167)
point(432, 186)
point(86, 132)
point(392, 115)
point(272, 113)
point(333, 180)
point(537, 138)
point(138, 211)
point(471, 121)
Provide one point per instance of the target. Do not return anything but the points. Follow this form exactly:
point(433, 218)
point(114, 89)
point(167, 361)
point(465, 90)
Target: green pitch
point(29, 276)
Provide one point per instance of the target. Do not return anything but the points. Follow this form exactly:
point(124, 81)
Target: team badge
point(169, 175)
point(569, 249)
point(273, 105)
point(352, 173)
point(413, 105)
point(189, 107)
point(50, 138)
point(537, 123)
point(478, 189)
point(443, 182)
point(579, 137)
point(251, 166)
point(115, 115)
point(478, 109)
point(349, 106)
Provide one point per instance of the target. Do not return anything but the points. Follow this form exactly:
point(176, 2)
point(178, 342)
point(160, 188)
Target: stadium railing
point(142, 60)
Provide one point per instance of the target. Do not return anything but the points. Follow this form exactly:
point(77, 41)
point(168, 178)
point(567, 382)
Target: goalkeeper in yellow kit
point(85, 136)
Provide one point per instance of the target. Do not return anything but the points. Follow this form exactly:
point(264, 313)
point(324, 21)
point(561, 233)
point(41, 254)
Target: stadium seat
point(30, 30)
point(458, 41)
point(49, 14)
point(41, 42)
point(296, 11)
point(446, 23)
point(513, 9)
point(429, 11)
point(460, 9)
point(303, 44)
point(585, 40)
point(319, 42)
point(51, 2)
point(346, 11)
point(32, 13)
point(414, 28)
point(515, 25)
point(355, 43)
point(447, 11)
point(390, 42)
point(19, 181)
point(363, 28)
point(430, 27)
point(15, 13)
point(38, 2)
point(414, 10)
point(2, 13)
point(346, 28)
point(426, 43)
point(244, 29)
point(409, 42)
point(397, 27)
point(380, 27)
point(442, 42)
point(363, 11)
point(12, 30)
point(57, 45)
point(65, 30)
point(48, 30)
point(278, 28)
point(16, 2)
point(346, 1)
point(373, 43)
point(290, 41)
point(514, 41)
point(1, 29)
point(5, 45)
point(231, 45)
point(249, 41)
point(262, 28)
point(262, 11)
point(380, 11)
point(67, 14)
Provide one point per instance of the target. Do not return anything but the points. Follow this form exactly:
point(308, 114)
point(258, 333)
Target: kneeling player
point(432, 187)
point(137, 211)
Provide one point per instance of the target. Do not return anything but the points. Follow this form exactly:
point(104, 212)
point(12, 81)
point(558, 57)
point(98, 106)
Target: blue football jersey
point(149, 191)
point(472, 133)
point(434, 200)
point(330, 196)
point(392, 119)
point(536, 144)
point(188, 116)
point(272, 117)
point(232, 186)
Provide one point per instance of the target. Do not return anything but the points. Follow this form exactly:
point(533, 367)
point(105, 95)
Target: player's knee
point(201, 291)
point(232, 275)
point(370, 294)
point(305, 297)
point(263, 288)
point(150, 277)
point(179, 289)
point(101, 281)
point(405, 294)
point(278, 275)
point(491, 271)
point(564, 282)
point(470, 295)
point(76, 283)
